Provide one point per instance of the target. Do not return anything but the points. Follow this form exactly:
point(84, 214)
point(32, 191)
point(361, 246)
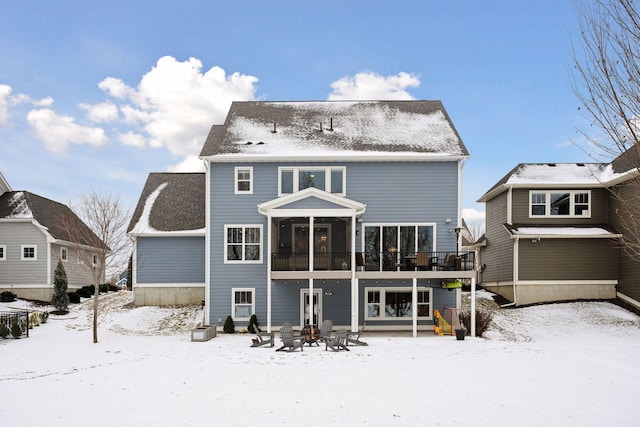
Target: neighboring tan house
point(168, 232)
point(348, 211)
point(34, 237)
point(553, 234)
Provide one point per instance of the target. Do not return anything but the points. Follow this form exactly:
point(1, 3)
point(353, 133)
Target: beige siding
point(497, 256)
point(567, 259)
point(629, 268)
point(78, 274)
point(599, 210)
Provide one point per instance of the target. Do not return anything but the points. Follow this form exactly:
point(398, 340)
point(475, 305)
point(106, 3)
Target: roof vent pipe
point(274, 128)
point(320, 126)
point(331, 124)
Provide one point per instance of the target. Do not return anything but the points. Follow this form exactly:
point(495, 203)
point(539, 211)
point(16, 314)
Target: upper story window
point(63, 254)
point(29, 252)
point(243, 180)
point(243, 243)
point(3, 252)
point(553, 203)
point(330, 179)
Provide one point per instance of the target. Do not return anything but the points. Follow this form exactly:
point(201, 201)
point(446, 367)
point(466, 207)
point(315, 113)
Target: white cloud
point(57, 132)
point(5, 91)
point(175, 103)
point(473, 215)
point(372, 86)
point(189, 164)
point(132, 139)
point(103, 112)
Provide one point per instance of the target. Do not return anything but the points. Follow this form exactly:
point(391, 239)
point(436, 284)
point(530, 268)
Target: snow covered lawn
point(574, 364)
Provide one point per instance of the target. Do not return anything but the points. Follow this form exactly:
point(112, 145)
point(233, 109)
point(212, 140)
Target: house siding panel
point(78, 274)
point(498, 253)
point(599, 210)
point(377, 185)
point(15, 271)
point(629, 280)
point(186, 253)
point(567, 259)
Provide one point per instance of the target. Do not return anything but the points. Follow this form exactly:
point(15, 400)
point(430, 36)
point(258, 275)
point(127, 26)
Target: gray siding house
point(168, 232)
point(33, 238)
point(348, 211)
point(553, 234)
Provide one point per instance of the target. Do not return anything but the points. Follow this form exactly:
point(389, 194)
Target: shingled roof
point(170, 202)
point(60, 221)
point(335, 127)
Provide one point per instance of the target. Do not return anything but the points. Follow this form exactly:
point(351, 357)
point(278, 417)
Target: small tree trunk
point(95, 312)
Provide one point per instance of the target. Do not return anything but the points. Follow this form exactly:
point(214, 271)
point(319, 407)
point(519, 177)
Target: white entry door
point(315, 318)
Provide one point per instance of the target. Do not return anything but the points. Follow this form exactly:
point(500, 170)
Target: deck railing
point(376, 261)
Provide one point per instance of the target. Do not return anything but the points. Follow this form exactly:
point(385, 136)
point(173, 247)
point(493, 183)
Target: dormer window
point(330, 179)
point(554, 203)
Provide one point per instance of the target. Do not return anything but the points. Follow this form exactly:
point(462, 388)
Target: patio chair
point(422, 261)
point(338, 342)
point(289, 341)
point(449, 262)
point(354, 337)
point(325, 329)
point(262, 338)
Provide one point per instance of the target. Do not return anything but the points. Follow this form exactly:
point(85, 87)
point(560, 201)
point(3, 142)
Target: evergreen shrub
point(60, 299)
point(4, 331)
point(7, 296)
point(253, 327)
point(74, 298)
point(229, 327)
point(16, 330)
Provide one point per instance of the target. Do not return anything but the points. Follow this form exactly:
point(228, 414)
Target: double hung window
point(243, 180)
point(243, 243)
point(242, 305)
point(63, 253)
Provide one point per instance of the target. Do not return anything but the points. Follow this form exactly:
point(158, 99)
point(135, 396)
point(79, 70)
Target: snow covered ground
point(575, 364)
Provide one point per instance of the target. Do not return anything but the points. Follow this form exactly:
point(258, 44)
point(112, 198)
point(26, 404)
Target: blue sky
point(95, 95)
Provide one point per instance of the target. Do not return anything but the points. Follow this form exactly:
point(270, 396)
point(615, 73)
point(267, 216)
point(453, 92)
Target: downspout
point(207, 245)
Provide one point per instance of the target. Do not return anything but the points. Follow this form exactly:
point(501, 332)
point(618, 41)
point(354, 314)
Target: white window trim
point(236, 181)
point(327, 183)
point(64, 254)
point(383, 291)
point(3, 256)
point(243, 261)
point(233, 303)
point(35, 252)
point(547, 208)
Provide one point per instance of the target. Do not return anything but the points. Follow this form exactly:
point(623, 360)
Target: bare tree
point(607, 84)
point(104, 247)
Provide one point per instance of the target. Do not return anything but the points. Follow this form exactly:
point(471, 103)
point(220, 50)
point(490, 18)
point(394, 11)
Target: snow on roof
point(20, 206)
point(560, 173)
point(143, 225)
point(336, 128)
point(562, 231)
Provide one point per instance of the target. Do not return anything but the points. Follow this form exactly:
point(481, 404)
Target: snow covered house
point(34, 236)
point(552, 234)
point(347, 211)
point(168, 232)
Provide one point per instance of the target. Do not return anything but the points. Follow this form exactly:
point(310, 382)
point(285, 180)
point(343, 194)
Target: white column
point(354, 280)
point(473, 306)
point(269, 223)
point(311, 256)
point(414, 307)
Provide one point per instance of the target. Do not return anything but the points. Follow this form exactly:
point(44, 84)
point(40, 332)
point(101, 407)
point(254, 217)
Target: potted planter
point(460, 334)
